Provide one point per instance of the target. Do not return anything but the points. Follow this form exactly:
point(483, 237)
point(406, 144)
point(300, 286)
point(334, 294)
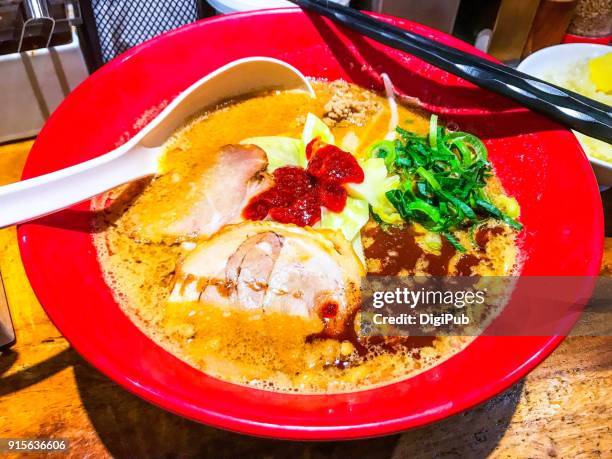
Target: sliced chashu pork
point(226, 188)
point(214, 199)
point(276, 268)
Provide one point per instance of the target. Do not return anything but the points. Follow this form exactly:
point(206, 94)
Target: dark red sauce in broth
point(364, 344)
point(398, 252)
point(396, 248)
point(484, 235)
point(465, 264)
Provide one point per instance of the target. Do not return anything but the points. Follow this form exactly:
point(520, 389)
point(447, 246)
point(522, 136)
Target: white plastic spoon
point(139, 157)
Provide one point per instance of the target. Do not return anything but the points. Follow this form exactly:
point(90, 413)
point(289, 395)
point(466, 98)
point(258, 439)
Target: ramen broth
point(273, 350)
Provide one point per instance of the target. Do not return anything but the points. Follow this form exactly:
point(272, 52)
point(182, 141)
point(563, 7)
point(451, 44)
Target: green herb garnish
point(443, 176)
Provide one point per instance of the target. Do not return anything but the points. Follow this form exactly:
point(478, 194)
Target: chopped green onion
point(427, 175)
point(433, 132)
point(471, 140)
point(427, 209)
point(384, 149)
point(453, 240)
point(495, 212)
point(442, 180)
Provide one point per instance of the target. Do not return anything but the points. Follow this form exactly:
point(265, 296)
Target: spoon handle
point(575, 111)
point(45, 194)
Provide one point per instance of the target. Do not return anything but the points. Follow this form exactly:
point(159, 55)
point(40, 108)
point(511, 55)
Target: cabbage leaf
point(373, 189)
point(353, 217)
point(281, 151)
point(315, 127)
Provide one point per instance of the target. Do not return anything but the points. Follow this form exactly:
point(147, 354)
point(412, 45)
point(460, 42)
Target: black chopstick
point(567, 107)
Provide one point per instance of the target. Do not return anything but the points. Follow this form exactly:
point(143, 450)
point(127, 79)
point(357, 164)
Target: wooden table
point(562, 409)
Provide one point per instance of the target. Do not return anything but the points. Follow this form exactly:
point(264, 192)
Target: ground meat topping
point(348, 106)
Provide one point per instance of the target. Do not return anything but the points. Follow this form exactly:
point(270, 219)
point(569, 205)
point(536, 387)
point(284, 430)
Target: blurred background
point(48, 46)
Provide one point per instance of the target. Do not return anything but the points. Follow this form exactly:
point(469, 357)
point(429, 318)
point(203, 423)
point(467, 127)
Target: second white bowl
point(558, 60)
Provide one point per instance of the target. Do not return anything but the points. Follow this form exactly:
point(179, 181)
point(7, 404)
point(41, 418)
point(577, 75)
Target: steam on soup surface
point(244, 256)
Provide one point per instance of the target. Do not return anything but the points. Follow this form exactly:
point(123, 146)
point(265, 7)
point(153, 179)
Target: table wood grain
point(561, 409)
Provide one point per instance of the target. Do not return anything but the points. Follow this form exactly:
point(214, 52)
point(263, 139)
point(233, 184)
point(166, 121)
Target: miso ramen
point(244, 255)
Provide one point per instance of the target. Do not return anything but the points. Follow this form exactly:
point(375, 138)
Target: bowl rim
point(364, 430)
point(541, 53)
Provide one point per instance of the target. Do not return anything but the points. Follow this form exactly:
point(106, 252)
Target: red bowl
point(538, 161)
